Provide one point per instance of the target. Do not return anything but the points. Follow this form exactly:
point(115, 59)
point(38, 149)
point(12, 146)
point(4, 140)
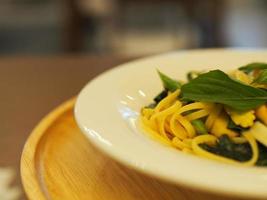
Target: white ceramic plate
point(107, 110)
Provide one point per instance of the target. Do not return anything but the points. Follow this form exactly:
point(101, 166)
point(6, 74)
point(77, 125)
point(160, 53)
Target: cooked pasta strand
point(179, 143)
point(185, 126)
point(176, 128)
point(214, 113)
point(167, 111)
point(212, 139)
point(153, 134)
point(164, 103)
point(197, 115)
point(162, 128)
point(192, 106)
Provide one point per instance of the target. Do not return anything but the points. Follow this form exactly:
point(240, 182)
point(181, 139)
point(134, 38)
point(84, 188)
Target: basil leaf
point(169, 83)
point(216, 86)
point(262, 78)
point(250, 67)
point(191, 75)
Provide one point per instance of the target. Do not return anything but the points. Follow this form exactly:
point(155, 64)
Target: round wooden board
point(58, 162)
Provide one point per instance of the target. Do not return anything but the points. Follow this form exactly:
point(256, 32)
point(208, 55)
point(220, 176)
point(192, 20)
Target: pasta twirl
point(224, 120)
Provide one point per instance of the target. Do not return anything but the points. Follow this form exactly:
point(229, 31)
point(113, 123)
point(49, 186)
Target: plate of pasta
point(196, 118)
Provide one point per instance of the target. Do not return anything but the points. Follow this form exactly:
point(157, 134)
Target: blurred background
point(129, 27)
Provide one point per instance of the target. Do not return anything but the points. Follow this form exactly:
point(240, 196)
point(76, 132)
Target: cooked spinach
point(160, 96)
point(240, 152)
point(227, 148)
point(231, 125)
point(262, 161)
point(152, 105)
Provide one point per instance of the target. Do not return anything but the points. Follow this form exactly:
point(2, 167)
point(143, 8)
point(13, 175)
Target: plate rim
point(148, 171)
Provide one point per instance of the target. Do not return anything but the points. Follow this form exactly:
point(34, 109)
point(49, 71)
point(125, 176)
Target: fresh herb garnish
point(191, 75)
point(169, 83)
point(262, 78)
point(252, 66)
point(216, 86)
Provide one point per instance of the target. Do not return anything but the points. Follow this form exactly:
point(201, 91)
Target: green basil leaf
point(262, 78)
point(250, 67)
point(193, 74)
point(216, 86)
point(169, 83)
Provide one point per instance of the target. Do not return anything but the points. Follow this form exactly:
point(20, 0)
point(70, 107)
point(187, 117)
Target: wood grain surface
point(33, 85)
point(58, 162)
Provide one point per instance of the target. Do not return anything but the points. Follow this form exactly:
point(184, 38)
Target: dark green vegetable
point(216, 86)
point(240, 152)
point(169, 83)
point(231, 125)
point(227, 148)
point(152, 105)
point(161, 96)
point(262, 161)
point(252, 66)
point(199, 126)
point(262, 78)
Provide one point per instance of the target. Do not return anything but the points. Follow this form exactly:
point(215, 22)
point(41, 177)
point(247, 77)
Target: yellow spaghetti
point(209, 129)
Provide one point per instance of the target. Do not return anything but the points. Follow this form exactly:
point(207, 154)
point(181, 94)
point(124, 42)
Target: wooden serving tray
point(58, 163)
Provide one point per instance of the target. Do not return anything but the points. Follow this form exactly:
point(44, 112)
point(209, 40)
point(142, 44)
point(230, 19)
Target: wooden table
point(32, 86)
